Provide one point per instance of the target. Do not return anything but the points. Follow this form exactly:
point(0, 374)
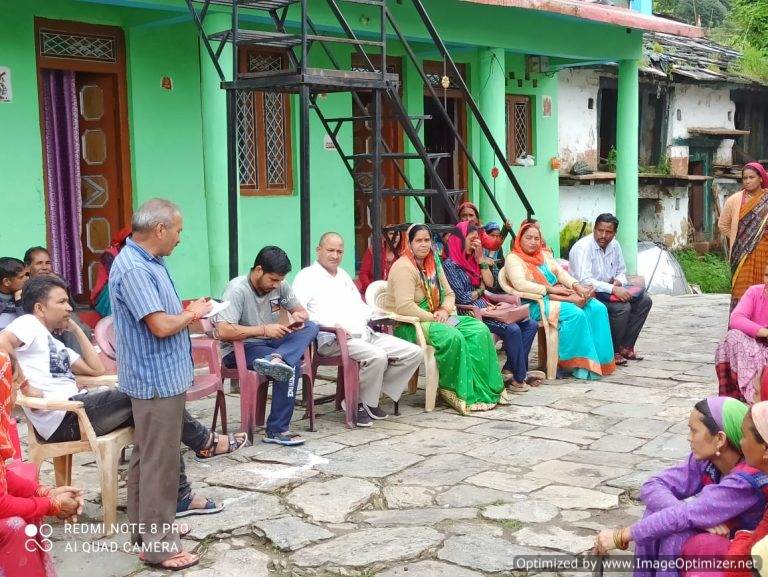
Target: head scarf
point(532, 261)
point(728, 413)
point(430, 283)
point(492, 226)
point(758, 168)
point(6, 391)
point(759, 414)
point(456, 252)
point(468, 204)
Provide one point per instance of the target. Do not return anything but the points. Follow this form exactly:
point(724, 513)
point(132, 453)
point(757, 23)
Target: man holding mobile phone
point(258, 312)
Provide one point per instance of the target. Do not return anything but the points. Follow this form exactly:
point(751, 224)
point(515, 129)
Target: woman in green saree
point(470, 378)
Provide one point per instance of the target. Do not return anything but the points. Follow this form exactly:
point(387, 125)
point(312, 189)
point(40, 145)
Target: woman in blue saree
point(585, 348)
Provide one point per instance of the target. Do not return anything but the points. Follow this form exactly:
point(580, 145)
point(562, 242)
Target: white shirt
point(592, 265)
point(332, 300)
point(46, 363)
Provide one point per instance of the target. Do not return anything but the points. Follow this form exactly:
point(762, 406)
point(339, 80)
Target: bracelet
point(42, 491)
point(485, 266)
point(55, 507)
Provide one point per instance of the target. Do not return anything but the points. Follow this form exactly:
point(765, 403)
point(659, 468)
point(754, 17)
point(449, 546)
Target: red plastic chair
point(202, 385)
point(347, 376)
point(254, 387)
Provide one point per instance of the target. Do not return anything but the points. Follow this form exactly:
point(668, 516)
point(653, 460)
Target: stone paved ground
point(437, 494)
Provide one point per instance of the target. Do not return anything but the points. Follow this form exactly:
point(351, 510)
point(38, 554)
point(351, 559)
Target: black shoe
point(363, 419)
point(375, 412)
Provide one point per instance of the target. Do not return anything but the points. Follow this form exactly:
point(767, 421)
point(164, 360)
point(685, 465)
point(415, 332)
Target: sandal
point(629, 353)
point(183, 507)
point(514, 387)
point(192, 561)
point(209, 452)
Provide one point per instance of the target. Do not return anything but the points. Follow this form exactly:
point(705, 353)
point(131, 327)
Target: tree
point(711, 12)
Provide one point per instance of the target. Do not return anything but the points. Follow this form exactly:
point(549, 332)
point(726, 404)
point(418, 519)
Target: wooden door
point(99, 167)
point(393, 207)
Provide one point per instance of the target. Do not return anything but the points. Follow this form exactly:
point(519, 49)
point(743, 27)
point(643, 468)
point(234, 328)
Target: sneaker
point(273, 368)
point(363, 419)
point(286, 439)
point(375, 412)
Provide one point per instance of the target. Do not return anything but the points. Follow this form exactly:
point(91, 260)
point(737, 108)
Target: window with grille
point(519, 127)
point(263, 131)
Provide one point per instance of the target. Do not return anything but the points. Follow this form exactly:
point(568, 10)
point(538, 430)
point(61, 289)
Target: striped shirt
point(148, 367)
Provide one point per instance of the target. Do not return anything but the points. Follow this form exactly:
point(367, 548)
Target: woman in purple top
point(726, 492)
point(741, 359)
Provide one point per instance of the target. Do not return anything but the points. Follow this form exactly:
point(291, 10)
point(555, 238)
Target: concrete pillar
point(214, 116)
point(492, 94)
point(627, 135)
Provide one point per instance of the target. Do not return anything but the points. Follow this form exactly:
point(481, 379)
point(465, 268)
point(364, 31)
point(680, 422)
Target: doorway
point(700, 194)
point(84, 125)
point(438, 137)
point(392, 207)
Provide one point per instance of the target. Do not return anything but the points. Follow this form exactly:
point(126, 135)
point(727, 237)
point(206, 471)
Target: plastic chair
point(107, 450)
point(548, 335)
point(254, 387)
point(202, 385)
point(347, 375)
point(376, 297)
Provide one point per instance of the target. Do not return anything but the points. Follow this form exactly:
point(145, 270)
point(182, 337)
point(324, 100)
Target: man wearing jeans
point(258, 312)
point(155, 370)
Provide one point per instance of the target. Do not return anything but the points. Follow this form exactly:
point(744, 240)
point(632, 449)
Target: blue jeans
point(517, 339)
point(291, 348)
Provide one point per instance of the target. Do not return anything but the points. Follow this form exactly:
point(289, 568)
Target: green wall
point(166, 127)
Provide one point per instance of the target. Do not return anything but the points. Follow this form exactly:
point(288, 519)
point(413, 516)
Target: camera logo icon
point(38, 538)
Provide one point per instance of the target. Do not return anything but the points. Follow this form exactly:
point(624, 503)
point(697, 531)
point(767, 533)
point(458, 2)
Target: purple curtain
point(62, 161)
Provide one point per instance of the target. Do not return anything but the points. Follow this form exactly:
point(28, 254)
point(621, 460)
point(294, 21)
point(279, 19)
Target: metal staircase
point(296, 36)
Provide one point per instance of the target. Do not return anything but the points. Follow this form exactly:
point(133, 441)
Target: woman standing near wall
point(744, 221)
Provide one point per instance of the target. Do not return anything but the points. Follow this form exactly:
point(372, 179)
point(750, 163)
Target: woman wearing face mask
point(744, 222)
point(470, 379)
point(22, 501)
point(713, 491)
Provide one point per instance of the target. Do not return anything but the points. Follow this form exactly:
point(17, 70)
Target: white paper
point(6, 92)
point(216, 309)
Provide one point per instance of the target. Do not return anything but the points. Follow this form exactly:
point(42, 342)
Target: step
point(253, 4)
point(259, 38)
point(435, 228)
point(420, 192)
point(384, 118)
point(400, 155)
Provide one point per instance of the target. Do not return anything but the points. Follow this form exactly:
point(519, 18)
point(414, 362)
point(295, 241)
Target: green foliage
point(572, 232)
point(711, 12)
point(710, 271)
point(749, 20)
point(511, 524)
point(754, 64)
point(611, 160)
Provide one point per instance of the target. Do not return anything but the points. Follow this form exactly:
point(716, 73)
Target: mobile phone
point(295, 325)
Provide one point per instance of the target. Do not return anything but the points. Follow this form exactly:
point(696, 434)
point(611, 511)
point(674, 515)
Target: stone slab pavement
point(437, 494)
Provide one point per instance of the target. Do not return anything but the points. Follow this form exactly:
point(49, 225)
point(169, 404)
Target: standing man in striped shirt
point(155, 370)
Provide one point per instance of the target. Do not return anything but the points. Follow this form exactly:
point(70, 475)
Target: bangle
point(484, 266)
point(55, 507)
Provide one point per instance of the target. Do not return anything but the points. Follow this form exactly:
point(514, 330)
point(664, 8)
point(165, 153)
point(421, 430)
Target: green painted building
point(125, 90)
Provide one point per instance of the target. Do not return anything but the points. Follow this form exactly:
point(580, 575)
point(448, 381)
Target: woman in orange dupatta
point(743, 221)
point(585, 347)
point(24, 503)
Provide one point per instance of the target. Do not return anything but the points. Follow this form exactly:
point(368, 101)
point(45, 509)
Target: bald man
point(332, 299)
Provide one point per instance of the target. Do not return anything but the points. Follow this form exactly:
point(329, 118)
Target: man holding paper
point(332, 299)
point(597, 260)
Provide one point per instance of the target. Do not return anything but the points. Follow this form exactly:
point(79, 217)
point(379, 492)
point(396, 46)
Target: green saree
point(470, 379)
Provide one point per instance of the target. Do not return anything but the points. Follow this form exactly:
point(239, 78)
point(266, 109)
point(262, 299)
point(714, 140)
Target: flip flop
point(171, 567)
point(630, 354)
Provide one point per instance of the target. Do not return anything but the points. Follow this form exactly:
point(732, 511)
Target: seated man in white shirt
point(328, 293)
point(597, 260)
